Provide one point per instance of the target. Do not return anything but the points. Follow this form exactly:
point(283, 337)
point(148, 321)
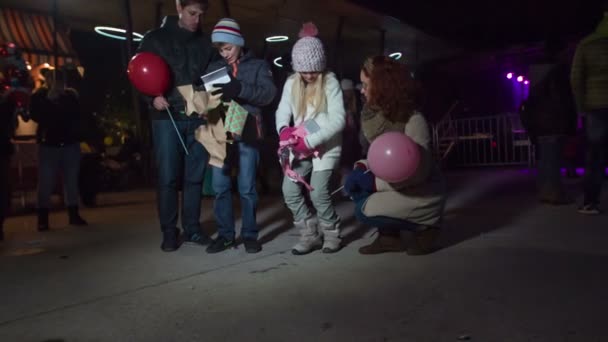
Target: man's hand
point(160, 103)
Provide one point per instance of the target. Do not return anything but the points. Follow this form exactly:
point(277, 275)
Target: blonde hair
point(313, 94)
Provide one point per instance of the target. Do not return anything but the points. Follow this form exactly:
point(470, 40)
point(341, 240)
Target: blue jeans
point(384, 224)
point(596, 127)
point(52, 160)
point(245, 157)
point(174, 164)
point(549, 164)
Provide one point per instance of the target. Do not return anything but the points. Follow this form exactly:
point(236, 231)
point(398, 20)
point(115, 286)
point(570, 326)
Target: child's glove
point(301, 148)
point(230, 90)
point(286, 134)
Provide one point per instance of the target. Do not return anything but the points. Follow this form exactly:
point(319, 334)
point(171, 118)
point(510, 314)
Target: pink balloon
point(393, 157)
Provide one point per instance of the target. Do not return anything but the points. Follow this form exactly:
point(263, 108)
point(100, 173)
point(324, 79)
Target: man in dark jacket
point(549, 118)
point(589, 78)
point(187, 51)
point(7, 128)
point(15, 87)
point(57, 112)
point(252, 87)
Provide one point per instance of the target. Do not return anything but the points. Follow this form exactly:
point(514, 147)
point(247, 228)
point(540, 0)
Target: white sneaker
point(589, 209)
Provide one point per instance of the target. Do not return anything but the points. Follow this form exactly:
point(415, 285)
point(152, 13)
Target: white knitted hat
point(307, 54)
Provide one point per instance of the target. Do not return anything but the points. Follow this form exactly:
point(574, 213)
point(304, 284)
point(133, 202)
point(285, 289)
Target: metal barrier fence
point(483, 141)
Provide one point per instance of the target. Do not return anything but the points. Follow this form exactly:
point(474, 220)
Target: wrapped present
point(236, 116)
point(199, 102)
point(213, 137)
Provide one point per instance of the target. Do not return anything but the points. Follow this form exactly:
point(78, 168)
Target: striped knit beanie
point(227, 31)
point(307, 54)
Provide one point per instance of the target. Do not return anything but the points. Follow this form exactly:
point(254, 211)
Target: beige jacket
point(421, 198)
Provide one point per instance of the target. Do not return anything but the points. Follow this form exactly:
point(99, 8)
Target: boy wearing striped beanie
point(252, 86)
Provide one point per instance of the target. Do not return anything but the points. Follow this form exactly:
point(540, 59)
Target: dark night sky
point(470, 23)
point(492, 24)
point(104, 60)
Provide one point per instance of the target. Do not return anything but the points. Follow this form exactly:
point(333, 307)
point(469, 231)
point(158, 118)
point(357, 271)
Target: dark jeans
point(549, 165)
point(55, 159)
point(4, 188)
point(174, 164)
point(596, 129)
point(245, 157)
point(385, 225)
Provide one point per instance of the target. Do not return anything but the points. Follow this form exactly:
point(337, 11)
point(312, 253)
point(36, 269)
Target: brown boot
point(384, 243)
point(422, 241)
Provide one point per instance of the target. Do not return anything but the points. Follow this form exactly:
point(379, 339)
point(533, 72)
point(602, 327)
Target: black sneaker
point(220, 244)
point(589, 209)
point(252, 245)
point(170, 241)
point(196, 239)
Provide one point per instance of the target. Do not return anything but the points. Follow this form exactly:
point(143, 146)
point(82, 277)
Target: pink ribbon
point(285, 150)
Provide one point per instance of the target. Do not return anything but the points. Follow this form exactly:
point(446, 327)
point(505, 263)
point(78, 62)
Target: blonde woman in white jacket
point(312, 97)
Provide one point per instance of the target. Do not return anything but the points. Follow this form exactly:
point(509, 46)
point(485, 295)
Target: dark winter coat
point(550, 108)
point(59, 120)
point(257, 89)
point(187, 53)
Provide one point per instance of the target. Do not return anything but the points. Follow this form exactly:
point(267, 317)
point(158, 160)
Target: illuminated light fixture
point(276, 62)
point(276, 39)
point(396, 55)
point(117, 33)
point(526, 82)
point(520, 78)
point(510, 75)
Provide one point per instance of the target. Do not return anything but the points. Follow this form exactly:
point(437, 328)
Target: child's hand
point(300, 147)
point(230, 90)
point(286, 134)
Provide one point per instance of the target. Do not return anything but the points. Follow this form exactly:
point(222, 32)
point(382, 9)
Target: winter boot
point(331, 237)
point(75, 218)
point(310, 239)
point(43, 219)
point(422, 241)
point(170, 240)
point(385, 242)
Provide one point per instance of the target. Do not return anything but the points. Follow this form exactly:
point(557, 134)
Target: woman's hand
point(360, 180)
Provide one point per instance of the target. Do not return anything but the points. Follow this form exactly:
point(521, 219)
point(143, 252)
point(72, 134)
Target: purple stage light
point(510, 75)
point(526, 82)
point(520, 78)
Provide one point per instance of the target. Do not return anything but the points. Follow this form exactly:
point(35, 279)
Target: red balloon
point(393, 157)
point(149, 74)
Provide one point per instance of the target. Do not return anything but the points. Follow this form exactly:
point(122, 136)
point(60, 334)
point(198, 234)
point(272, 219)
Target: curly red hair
point(392, 88)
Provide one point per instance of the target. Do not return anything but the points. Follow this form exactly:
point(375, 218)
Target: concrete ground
point(507, 269)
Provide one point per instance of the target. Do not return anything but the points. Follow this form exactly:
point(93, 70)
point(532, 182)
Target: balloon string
point(176, 130)
point(342, 187)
